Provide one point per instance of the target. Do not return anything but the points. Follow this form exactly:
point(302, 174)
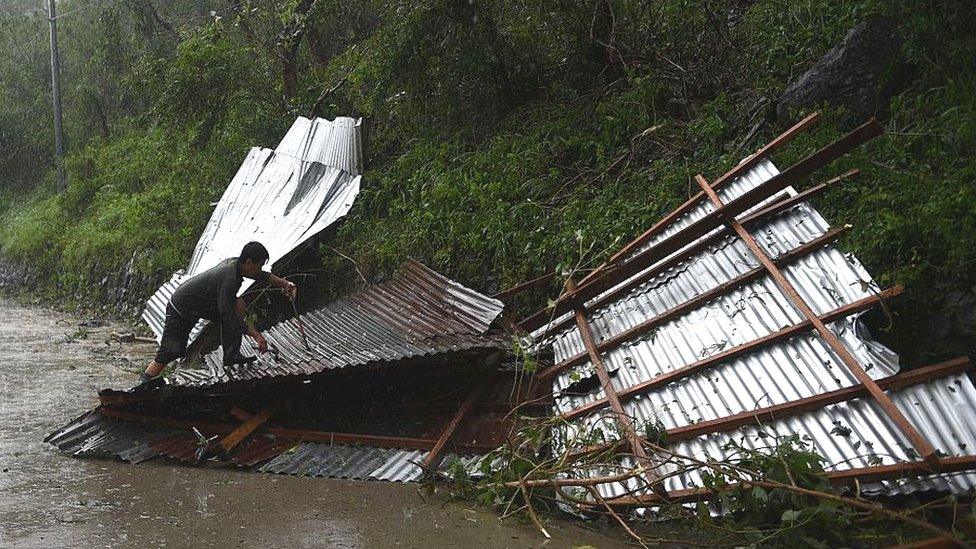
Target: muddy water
point(50, 370)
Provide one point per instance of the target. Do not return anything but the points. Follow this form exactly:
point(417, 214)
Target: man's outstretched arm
point(286, 286)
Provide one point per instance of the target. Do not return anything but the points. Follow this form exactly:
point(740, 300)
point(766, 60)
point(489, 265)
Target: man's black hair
point(255, 251)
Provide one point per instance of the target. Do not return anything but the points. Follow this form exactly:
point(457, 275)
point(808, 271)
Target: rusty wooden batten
point(652, 253)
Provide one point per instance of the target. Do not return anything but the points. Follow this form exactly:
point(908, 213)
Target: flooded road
point(50, 371)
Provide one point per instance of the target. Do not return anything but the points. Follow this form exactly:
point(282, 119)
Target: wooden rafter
point(692, 202)
point(623, 420)
point(800, 406)
point(695, 302)
point(779, 205)
point(922, 446)
point(709, 222)
point(214, 427)
point(843, 477)
point(436, 453)
point(249, 425)
point(699, 366)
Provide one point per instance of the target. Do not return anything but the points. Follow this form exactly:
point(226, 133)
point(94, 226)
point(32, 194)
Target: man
point(212, 294)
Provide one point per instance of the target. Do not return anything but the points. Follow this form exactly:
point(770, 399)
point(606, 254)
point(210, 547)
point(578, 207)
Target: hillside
point(504, 139)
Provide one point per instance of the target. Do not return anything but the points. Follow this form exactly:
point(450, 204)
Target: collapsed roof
point(396, 378)
point(281, 198)
point(736, 319)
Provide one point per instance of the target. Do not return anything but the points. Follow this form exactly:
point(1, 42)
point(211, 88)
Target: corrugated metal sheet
point(352, 462)
point(800, 367)
point(418, 312)
point(337, 143)
point(364, 462)
point(94, 434)
point(280, 198)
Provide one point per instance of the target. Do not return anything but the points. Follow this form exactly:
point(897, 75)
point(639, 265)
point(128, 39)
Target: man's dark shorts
point(176, 332)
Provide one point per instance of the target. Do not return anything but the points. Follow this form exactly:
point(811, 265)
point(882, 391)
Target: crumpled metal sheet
point(796, 368)
point(337, 143)
point(280, 197)
point(94, 434)
point(418, 312)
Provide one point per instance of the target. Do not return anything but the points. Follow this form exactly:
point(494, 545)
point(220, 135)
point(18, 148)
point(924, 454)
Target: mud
point(50, 370)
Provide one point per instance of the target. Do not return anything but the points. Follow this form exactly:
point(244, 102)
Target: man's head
point(252, 258)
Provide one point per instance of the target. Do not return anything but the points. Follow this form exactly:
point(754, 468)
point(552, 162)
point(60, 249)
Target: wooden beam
point(929, 543)
point(779, 205)
point(844, 477)
point(240, 414)
point(433, 459)
point(817, 402)
point(306, 435)
point(922, 446)
point(249, 426)
point(699, 366)
point(692, 202)
point(696, 302)
point(624, 421)
point(687, 235)
point(796, 407)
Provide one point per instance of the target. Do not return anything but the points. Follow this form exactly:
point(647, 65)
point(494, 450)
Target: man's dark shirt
point(211, 294)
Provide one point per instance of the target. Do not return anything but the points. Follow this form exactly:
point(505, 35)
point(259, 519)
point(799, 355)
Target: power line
point(81, 8)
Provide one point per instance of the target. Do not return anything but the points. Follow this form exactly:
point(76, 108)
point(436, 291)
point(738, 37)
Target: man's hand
point(262, 343)
point(290, 289)
point(286, 286)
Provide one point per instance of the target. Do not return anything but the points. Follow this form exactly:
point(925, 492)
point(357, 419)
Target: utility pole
point(56, 93)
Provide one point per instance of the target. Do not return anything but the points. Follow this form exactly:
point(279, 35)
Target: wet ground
point(50, 370)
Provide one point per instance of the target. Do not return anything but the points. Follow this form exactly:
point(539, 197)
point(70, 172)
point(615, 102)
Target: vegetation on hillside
point(504, 139)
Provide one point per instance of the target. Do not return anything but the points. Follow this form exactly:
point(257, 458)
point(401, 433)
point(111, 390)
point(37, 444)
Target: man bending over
point(212, 294)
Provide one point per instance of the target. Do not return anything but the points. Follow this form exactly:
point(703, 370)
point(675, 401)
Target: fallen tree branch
point(531, 511)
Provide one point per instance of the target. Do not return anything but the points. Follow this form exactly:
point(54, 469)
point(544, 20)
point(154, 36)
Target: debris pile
point(396, 379)
point(735, 321)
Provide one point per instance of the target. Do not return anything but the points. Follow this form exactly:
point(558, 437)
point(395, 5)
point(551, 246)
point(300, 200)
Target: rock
point(860, 73)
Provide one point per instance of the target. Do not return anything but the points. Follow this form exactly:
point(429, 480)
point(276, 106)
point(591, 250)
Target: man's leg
point(231, 334)
point(176, 332)
point(154, 369)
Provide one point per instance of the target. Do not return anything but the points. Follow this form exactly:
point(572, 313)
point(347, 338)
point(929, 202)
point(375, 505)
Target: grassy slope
point(562, 178)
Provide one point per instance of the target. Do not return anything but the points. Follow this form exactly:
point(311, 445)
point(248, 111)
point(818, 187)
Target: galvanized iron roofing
point(416, 313)
point(850, 435)
point(96, 435)
point(280, 198)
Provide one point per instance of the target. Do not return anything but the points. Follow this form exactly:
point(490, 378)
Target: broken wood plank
point(249, 426)
point(435, 455)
